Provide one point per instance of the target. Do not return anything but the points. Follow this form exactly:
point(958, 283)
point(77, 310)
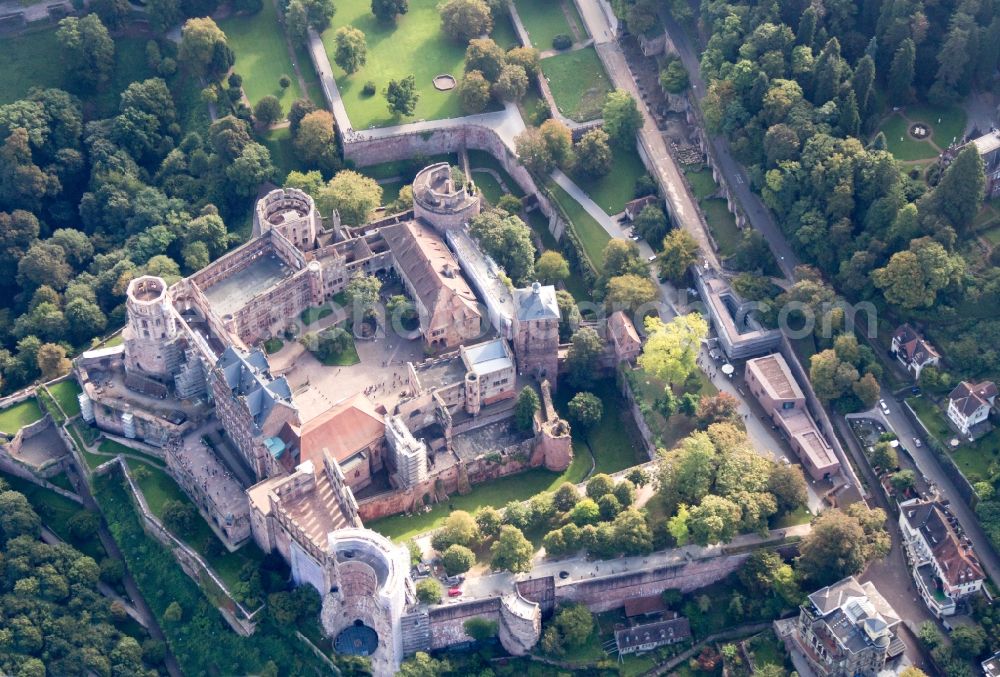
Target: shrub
point(284, 82)
point(562, 41)
point(429, 591)
point(368, 89)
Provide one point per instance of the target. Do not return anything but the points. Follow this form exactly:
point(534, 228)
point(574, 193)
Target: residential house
point(991, 666)
point(944, 565)
point(912, 351)
point(844, 630)
point(649, 636)
point(969, 405)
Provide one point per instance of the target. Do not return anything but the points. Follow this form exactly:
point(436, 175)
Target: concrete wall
point(448, 621)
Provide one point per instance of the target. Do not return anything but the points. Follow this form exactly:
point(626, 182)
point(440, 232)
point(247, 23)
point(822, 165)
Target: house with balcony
point(913, 351)
point(847, 629)
point(944, 565)
point(969, 406)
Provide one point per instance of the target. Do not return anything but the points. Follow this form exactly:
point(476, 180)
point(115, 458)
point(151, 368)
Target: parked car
point(885, 407)
point(455, 591)
point(917, 442)
point(652, 258)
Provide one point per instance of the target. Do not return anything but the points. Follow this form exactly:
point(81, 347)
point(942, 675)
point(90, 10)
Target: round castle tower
point(292, 213)
point(152, 328)
point(437, 201)
point(370, 588)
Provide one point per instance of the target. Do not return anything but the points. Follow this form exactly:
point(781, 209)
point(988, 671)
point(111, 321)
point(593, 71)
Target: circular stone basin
point(444, 82)
point(919, 131)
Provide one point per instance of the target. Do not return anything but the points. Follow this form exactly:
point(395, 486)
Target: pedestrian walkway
point(681, 203)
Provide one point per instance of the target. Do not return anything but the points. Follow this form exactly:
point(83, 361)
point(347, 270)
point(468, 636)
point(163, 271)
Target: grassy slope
point(261, 55)
point(65, 393)
point(617, 187)
point(578, 83)
point(591, 233)
point(543, 21)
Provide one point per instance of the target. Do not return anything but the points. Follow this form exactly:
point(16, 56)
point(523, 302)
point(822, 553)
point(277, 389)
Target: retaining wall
point(610, 592)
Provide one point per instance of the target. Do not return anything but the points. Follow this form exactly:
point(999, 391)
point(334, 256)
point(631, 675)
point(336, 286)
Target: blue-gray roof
point(537, 302)
point(249, 378)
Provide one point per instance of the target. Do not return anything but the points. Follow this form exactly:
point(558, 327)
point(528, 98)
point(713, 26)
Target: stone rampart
point(448, 621)
point(364, 151)
point(610, 592)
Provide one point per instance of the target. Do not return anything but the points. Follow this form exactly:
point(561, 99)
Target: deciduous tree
point(87, 50)
point(551, 267)
point(463, 20)
point(621, 117)
point(350, 49)
point(512, 551)
point(524, 411)
point(585, 352)
point(402, 96)
point(593, 154)
point(388, 10)
point(671, 349)
point(474, 92)
point(353, 195)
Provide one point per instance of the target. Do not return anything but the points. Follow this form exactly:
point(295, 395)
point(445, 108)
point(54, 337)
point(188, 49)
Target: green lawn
point(613, 448)
point(310, 315)
point(544, 20)
point(488, 186)
point(947, 122)
point(503, 33)
point(932, 418)
point(800, 515)
point(480, 159)
point(519, 487)
point(702, 183)
point(578, 83)
point(414, 46)
point(901, 145)
point(390, 191)
point(158, 488)
point(15, 417)
point(30, 60)
point(65, 393)
point(723, 225)
point(345, 359)
point(283, 154)
point(972, 459)
point(258, 42)
point(591, 233)
point(617, 187)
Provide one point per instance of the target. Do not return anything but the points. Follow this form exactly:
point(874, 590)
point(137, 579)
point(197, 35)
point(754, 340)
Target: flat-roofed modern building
point(771, 382)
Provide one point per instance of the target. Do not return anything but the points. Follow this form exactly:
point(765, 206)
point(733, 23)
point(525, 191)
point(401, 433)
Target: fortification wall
point(610, 592)
point(448, 622)
point(364, 151)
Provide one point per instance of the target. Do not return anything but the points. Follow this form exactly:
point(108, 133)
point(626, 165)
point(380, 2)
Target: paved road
point(83, 489)
point(891, 575)
point(759, 216)
point(929, 466)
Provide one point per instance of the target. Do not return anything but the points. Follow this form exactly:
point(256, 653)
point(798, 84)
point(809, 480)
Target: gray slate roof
point(537, 302)
point(249, 378)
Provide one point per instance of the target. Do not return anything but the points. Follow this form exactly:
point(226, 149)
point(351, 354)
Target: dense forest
point(52, 616)
point(92, 195)
point(800, 89)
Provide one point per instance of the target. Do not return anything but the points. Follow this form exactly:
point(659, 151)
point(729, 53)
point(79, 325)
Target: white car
point(917, 442)
point(885, 407)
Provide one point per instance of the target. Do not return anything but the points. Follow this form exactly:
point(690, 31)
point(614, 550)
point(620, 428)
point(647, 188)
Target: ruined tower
point(150, 336)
